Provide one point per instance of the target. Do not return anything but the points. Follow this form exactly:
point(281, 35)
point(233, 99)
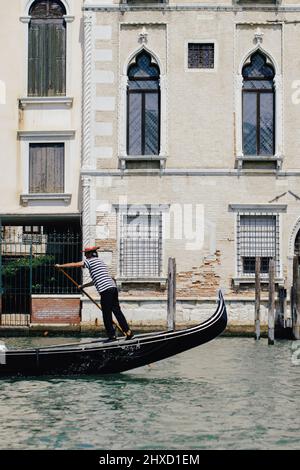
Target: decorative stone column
point(86, 216)
point(86, 209)
point(87, 126)
point(87, 92)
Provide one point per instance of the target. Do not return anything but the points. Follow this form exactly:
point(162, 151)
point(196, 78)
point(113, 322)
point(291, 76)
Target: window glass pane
point(266, 124)
point(47, 9)
point(258, 85)
point(143, 84)
point(144, 67)
point(249, 265)
point(151, 124)
point(249, 123)
point(135, 124)
point(258, 68)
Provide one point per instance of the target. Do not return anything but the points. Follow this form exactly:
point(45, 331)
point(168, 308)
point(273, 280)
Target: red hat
point(90, 248)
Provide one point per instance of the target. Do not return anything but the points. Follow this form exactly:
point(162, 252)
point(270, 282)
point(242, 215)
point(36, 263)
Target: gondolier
point(107, 289)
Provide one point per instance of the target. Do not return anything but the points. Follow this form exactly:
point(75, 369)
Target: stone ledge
point(52, 102)
point(40, 197)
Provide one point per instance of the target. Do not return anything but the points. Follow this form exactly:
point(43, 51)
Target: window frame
point(240, 256)
point(258, 93)
point(149, 213)
point(40, 24)
point(37, 137)
point(49, 145)
point(277, 158)
point(51, 100)
point(201, 41)
point(143, 92)
point(258, 210)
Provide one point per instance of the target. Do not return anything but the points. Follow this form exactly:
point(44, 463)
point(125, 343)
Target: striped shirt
point(99, 274)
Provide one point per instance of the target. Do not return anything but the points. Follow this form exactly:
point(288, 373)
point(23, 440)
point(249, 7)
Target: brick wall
point(55, 310)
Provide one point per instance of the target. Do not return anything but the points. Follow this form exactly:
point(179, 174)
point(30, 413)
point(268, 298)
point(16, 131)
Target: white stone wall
point(143, 313)
point(201, 140)
point(23, 122)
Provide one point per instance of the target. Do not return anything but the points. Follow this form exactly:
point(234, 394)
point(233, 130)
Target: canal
point(231, 393)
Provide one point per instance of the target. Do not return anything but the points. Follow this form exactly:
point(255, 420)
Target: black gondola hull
point(98, 357)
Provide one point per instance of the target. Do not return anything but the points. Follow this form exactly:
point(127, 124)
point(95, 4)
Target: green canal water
point(231, 393)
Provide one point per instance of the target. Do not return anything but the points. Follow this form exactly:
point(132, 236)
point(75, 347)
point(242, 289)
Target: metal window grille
point(140, 245)
point(201, 55)
point(257, 235)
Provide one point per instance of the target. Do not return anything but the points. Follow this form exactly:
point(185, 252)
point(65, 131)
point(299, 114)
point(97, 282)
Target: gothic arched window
point(47, 49)
point(143, 107)
point(258, 107)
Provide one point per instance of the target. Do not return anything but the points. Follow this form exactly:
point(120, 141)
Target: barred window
point(140, 245)
point(201, 55)
point(258, 235)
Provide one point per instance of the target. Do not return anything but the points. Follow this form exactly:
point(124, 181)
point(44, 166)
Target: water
point(231, 393)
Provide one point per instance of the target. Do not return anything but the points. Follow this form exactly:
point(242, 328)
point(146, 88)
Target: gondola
point(100, 357)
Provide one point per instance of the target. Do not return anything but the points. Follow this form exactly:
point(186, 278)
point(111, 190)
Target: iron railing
point(27, 268)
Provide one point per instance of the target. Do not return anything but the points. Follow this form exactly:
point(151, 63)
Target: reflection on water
point(232, 393)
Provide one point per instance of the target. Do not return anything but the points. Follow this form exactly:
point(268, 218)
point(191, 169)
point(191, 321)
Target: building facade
point(40, 142)
point(190, 150)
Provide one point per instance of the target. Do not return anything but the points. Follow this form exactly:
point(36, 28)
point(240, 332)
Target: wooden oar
point(88, 295)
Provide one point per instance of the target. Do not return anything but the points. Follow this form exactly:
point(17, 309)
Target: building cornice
point(257, 207)
point(191, 172)
point(123, 8)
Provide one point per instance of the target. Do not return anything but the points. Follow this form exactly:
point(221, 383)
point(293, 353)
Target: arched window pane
point(143, 107)
point(143, 68)
point(47, 49)
point(258, 68)
point(258, 107)
point(47, 9)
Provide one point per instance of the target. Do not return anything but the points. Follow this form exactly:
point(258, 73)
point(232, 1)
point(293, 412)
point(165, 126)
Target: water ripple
point(232, 393)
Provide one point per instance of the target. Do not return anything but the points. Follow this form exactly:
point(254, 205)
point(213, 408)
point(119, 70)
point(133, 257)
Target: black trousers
point(110, 304)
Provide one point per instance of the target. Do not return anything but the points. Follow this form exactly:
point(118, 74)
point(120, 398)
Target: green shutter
point(47, 58)
point(58, 58)
point(36, 59)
